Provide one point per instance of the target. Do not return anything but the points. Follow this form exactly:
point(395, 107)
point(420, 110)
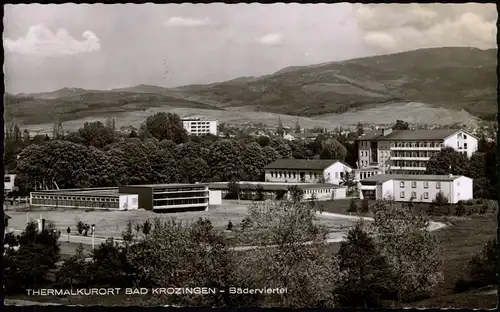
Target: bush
point(469, 202)
point(479, 201)
point(353, 207)
point(441, 199)
point(246, 223)
point(230, 226)
point(80, 226)
point(365, 206)
point(483, 209)
point(483, 266)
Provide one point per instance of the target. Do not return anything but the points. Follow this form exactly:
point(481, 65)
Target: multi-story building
point(306, 171)
point(198, 126)
point(417, 188)
point(408, 151)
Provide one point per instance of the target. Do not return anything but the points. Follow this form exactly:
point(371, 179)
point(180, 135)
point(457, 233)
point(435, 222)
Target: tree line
point(160, 151)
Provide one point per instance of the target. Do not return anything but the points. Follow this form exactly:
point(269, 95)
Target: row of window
point(416, 144)
point(180, 190)
point(425, 183)
point(460, 146)
point(74, 203)
point(364, 175)
point(409, 163)
point(191, 201)
point(412, 154)
point(425, 195)
point(180, 195)
point(79, 198)
point(319, 191)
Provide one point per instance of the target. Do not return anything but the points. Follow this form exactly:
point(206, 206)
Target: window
point(426, 184)
point(458, 183)
point(6, 179)
point(401, 184)
point(402, 195)
point(414, 184)
point(465, 145)
point(426, 195)
point(413, 195)
point(438, 185)
point(341, 175)
point(336, 175)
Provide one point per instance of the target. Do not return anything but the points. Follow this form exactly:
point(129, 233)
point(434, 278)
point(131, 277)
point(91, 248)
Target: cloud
point(402, 27)
point(41, 41)
point(270, 39)
point(178, 21)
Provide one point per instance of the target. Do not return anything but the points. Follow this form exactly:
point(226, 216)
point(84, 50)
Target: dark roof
point(301, 164)
point(408, 177)
point(409, 135)
point(167, 185)
point(270, 186)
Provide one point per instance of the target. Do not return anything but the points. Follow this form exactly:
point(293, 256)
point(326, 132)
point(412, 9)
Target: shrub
point(483, 209)
point(483, 266)
point(80, 226)
point(460, 211)
point(353, 207)
point(246, 223)
point(441, 199)
point(479, 201)
point(230, 226)
point(365, 206)
point(470, 202)
point(463, 285)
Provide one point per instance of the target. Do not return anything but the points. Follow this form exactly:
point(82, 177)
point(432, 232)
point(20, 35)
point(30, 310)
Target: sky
point(98, 46)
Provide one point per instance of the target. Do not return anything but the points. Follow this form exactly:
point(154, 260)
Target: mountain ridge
point(456, 78)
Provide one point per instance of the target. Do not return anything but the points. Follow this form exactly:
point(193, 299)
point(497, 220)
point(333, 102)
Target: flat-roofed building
point(270, 190)
point(306, 171)
point(172, 197)
point(417, 188)
point(91, 198)
point(408, 151)
point(363, 173)
point(198, 126)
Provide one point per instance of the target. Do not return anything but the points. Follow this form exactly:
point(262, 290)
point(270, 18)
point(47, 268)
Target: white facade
point(462, 142)
point(410, 156)
point(197, 126)
point(129, 202)
point(405, 189)
point(325, 193)
point(332, 174)
point(8, 182)
point(215, 197)
point(363, 173)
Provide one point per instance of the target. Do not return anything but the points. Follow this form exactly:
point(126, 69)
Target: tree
point(401, 125)
point(332, 149)
point(298, 129)
point(296, 194)
point(146, 227)
point(96, 134)
point(68, 231)
point(441, 199)
point(233, 190)
point(281, 146)
point(299, 261)
point(28, 267)
point(225, 160)
point(80, 226)
point(483, 267)
point(404, 240)
point(138, 228)
point(348, 180)
point(448, 161)
point(359, 129)
point(279, 129)
point(164, 126)
point(366, 273)
point(353, 207)
point(73, 270)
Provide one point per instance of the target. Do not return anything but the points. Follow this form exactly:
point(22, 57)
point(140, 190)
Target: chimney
point(386, 131)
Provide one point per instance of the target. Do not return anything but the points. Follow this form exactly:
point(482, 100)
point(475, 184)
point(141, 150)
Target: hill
point(36, 109)
point(456, 81)
point(453, 78)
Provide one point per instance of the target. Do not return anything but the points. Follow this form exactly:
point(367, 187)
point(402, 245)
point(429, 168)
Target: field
point(413, 112)
point(112, 223)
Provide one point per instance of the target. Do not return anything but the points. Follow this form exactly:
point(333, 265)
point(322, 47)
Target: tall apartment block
point(408, 151)
point(198, 126)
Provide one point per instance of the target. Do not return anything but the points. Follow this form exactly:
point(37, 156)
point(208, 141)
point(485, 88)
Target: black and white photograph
point(251, 155)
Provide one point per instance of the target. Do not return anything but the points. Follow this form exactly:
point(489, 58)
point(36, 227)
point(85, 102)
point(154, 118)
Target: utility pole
point(93, 232)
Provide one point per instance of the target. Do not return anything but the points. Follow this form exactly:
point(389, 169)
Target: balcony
point(408, 168)
point(411, 158)
point(394, 148)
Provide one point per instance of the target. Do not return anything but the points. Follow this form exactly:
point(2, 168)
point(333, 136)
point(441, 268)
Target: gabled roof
point(409, 135)
point(301, 164)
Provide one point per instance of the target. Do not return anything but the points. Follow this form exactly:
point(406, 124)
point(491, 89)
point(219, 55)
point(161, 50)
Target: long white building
point(408, 151)
point(418, 188)
point(198, 126)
